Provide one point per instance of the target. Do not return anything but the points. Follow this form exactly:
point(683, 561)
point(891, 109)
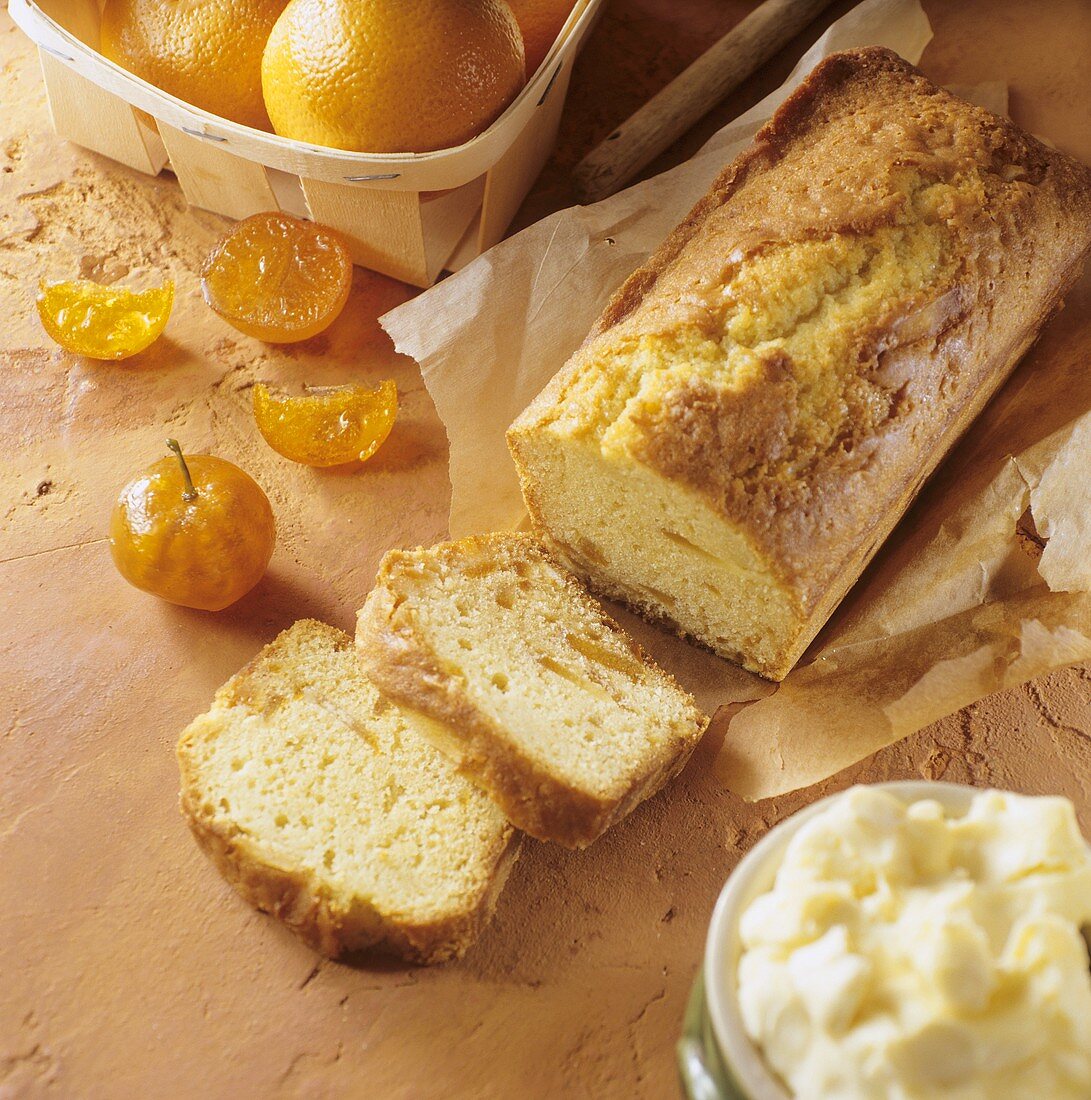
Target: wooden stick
point(691, 95)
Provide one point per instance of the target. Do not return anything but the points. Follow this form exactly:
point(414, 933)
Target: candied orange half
point(328, 425)
point(103, 322)
point(278, 278)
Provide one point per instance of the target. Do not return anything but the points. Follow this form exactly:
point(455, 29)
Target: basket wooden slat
point(509, 180)
point(214, 179)
point(445, 216)
point(382, 228)
point(84, 113)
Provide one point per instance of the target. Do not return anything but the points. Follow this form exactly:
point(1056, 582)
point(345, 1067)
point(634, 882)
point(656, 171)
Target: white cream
point(904, 955)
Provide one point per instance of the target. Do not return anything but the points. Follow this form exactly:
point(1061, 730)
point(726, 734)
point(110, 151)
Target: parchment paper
point(962, 601)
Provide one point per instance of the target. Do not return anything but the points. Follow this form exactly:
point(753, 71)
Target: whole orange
point(541, 22)
point(193, 530)
point(391, 76)
point(206, 52)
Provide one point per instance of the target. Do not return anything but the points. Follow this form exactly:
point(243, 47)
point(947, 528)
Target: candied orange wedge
point(328, 425)
point(103, 322)
point(278, 278)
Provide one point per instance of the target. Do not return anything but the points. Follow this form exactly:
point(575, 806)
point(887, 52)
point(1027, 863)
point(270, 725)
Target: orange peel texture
point(540, 22)
point(206, 52)
point(391, 76)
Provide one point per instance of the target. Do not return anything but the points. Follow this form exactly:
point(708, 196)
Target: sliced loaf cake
point(536, 693)
point(322, 803)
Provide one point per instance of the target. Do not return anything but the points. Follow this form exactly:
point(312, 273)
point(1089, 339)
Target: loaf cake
point(536, 693)
point(761, 401)
point(321, 803)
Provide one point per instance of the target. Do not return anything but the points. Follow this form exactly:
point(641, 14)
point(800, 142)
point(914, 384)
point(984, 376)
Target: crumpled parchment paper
point(985, 583)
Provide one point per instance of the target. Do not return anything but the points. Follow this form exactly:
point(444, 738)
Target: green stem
point(190, 491)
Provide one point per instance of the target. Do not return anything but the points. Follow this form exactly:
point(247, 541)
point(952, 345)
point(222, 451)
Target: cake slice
point(535, 692)
point(323, 804)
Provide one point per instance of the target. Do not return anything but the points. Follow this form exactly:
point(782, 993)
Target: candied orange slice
point(278, 278)
point(328, 425)
point(103, 322)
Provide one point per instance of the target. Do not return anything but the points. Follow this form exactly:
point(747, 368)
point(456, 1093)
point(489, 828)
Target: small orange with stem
point(328, 425)
point(278, 278)
point(195, 531)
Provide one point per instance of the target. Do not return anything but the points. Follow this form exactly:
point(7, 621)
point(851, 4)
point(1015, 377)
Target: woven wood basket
point(409, 215)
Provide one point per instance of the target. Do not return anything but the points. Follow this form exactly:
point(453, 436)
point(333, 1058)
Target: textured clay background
point(127, 968)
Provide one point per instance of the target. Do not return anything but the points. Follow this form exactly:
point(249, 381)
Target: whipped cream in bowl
point(909, 941)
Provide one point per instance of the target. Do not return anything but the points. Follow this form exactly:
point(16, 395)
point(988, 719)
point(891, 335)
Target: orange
point(278, 278)
point(206, 52)
point(391, 76)
point(327, 426)
point(541, 22)
point(195, 531)
point(103, 322)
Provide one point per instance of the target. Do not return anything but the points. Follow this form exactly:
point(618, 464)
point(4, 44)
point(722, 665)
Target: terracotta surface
point(127, 968)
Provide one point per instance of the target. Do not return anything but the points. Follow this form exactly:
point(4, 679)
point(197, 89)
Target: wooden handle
point(691, 95)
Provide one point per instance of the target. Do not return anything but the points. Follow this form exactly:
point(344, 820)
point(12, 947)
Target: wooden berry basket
point(409, 215)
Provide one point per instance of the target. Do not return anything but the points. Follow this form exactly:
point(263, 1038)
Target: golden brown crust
point(295, 895)
point(294, 898)
point(869, 68)
point(811, 524)
point(398, 659)
point(832, 163)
